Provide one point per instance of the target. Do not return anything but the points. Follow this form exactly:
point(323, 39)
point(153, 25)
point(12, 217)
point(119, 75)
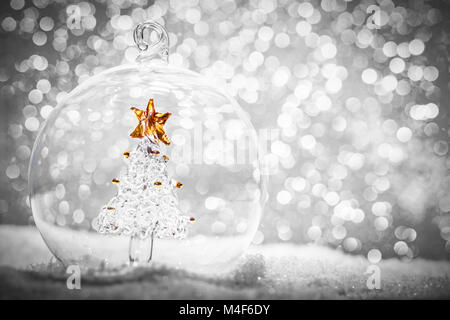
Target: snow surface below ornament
point(278, 271)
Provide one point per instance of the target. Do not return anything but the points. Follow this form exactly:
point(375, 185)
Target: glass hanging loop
point(152, 40)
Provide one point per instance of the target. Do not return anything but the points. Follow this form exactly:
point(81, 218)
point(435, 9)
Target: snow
point(271, 271)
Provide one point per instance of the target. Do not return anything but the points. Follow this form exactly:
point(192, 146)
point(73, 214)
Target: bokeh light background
point(359, 101)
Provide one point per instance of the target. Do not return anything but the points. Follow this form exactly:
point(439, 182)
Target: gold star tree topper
point(151, 123)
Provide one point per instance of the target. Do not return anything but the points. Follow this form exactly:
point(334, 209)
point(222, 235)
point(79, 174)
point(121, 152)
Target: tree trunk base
point(140, 250)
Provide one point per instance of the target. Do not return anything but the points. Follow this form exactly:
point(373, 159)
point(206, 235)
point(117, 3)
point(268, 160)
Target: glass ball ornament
point(214, 152)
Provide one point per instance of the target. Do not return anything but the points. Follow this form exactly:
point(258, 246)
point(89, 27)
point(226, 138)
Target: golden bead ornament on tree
point(102, 188)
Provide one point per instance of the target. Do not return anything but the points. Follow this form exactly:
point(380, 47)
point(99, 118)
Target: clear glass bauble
point(213, 153)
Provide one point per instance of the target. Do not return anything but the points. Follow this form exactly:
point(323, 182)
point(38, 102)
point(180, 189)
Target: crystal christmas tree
point(145, 206)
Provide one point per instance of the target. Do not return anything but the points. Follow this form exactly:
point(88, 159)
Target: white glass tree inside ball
point(99, 197)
